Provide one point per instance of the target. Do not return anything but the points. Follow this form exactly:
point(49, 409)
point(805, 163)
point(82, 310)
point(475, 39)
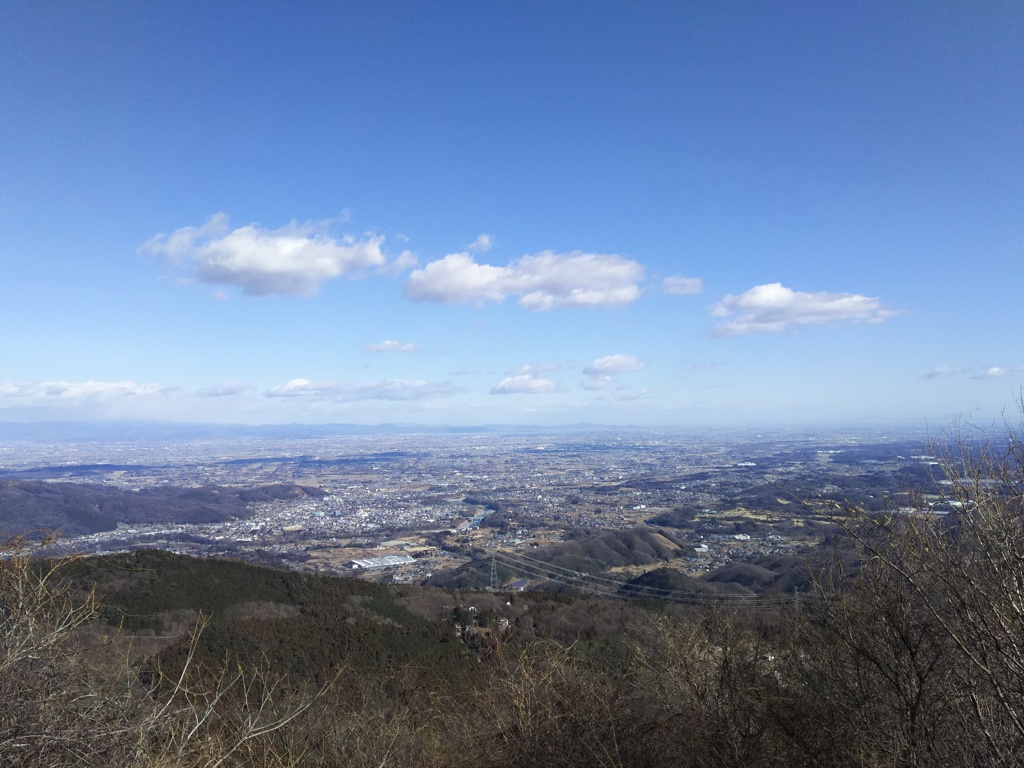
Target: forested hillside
point(73, 509)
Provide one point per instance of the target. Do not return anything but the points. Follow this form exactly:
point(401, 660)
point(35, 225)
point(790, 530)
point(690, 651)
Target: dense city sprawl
point(410, 507)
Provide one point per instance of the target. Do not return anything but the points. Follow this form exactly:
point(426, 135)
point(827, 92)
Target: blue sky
point(650, 213)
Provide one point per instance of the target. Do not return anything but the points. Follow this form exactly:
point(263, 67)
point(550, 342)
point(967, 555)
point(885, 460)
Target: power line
point(606, 587)
point(612, 588)
point(671, 594)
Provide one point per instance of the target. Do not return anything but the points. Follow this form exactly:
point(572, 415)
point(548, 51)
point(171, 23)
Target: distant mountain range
point(127, 431)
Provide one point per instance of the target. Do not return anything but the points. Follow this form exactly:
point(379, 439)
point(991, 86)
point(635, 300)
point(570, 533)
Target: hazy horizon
point(155, 429)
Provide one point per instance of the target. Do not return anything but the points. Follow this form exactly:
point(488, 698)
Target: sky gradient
point(651, 213)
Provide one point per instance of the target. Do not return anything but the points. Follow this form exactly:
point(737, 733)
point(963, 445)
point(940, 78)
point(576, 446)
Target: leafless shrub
point(545, 707)
point(709, 683)
point(61, 707)
point(919, 658)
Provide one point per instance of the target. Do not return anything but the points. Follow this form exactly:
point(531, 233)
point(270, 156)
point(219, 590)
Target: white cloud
point(226, 389)
point(596, 383)
point(773, 308)
point(293, 260)
point(455, 279)
point(601, 373)
point(340, 391)
point(403, 261)
point(71, 393)
point(42, 400)
point(683, 286)
point(482, 244)
point(942, 372)
point(623, 396)
point(614, 364)
point(992, 372)
point(542, 281)
point(390, 345)
point(533, 369)
point(524, 384)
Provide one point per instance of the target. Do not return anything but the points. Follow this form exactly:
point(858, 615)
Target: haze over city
point(523, 213)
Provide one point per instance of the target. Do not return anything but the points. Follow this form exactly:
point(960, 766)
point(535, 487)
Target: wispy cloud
point(69, 392)
point(293, 260)
point(45, 400)
point(226, 389)
point(398, 264)
point(623, 395)
point(524, 384)
point(942, 372)
point(533, 369)
point(482, 244)
point(614, 364)
point(601, 373)
point(773, 308)
point(992, 372)
point(391, 345)
point(341, 391)
point(542, 281)
point(682, 286)
point(596, 383)
point(704, 366)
